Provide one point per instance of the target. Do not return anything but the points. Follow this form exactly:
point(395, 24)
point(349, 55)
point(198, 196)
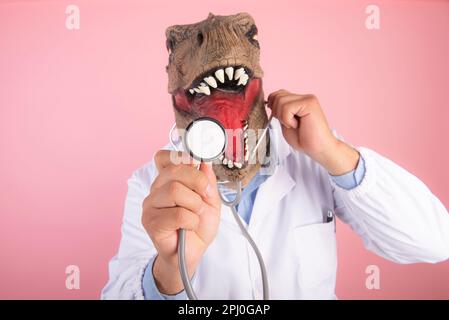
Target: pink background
point(80, 110)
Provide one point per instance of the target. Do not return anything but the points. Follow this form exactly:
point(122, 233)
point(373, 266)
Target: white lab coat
point(393, 211)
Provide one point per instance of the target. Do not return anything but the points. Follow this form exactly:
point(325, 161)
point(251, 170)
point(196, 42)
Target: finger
point(281, 97)
point(164, 158)
point(273, 95)
point(277, 102)
point(175, 194)
point(307, 104)
point(187, 175)
point(292, 111)
point(171, 219)
point(284, 110)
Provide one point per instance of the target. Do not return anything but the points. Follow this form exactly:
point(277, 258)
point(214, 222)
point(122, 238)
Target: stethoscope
point(205, 140)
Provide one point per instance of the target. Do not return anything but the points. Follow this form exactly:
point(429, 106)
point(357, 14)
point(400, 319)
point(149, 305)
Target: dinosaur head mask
point(214, 71)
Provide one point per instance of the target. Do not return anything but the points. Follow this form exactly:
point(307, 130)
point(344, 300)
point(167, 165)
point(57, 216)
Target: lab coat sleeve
point(397, 216)
point(126, 269)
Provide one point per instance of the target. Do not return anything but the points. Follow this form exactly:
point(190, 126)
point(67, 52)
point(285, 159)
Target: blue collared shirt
point(347, 181)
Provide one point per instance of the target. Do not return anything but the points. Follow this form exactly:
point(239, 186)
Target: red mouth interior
point(231, 109)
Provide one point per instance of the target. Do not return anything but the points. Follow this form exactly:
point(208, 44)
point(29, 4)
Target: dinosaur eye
point(252, 35)
point(200, 38)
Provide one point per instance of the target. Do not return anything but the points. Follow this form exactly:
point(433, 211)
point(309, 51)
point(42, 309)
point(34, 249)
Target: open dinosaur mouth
point(226, 94)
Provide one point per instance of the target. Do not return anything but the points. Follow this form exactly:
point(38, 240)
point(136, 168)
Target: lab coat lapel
point(270, 193)
point(267, 198)
point(278, 184)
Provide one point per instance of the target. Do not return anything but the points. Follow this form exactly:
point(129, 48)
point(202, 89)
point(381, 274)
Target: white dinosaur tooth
point(196, 90)
point(221, 157)
point(242, 82)
point(225, 161)
point(230, 164)
point(219, 74)
point(211, 81)
point(204, 89)
point(238, 73)
point(245, 127)
point(243, 79)
point(229, 72)
point(246, 156)
point(191, 91)
point(237, 165)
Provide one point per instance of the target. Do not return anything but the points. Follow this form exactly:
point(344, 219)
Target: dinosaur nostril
point(200, 38)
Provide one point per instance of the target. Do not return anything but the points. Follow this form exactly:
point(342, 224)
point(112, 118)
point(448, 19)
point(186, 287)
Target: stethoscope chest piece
point(205, 139)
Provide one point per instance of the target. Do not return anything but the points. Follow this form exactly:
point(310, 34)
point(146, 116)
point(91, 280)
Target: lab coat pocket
point(317, 259)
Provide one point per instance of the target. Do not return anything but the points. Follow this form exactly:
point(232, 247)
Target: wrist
point(166, 277)
point(338, 157)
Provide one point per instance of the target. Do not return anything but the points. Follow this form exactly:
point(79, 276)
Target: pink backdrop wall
point(81, 109)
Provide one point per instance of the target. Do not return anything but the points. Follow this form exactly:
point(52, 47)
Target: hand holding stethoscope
point(181, 196)
point(205, 140)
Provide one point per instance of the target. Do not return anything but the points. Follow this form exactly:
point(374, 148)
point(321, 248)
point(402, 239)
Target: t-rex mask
point(214, 71)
